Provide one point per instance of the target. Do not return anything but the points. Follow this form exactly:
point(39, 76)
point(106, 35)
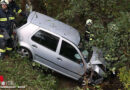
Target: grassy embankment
point(23, 73)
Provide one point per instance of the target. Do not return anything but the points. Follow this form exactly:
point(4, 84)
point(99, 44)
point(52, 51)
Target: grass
point(22, 73)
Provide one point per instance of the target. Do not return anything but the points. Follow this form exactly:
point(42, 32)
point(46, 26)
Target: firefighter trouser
point(9, 45)
point(9, 41)
point(2, 46)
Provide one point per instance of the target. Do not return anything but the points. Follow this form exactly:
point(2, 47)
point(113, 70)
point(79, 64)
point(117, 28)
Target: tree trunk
point(23, 5)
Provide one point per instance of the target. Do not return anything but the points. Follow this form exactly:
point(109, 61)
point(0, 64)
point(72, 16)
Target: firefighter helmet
point(4, 2)
point(89, 22)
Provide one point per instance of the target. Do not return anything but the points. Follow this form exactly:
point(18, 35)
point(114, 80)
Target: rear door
point(45, 46)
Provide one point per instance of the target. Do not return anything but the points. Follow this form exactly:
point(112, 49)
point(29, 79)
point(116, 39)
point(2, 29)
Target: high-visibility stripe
point(1, 36)
point(106, 58)
point(12, 36)
point(19, 11)
point(14, 10)
point(11, 18)
point(87, 32)
point(2, 50)
point(3, 19)
point(9, 49)
point(90, 39)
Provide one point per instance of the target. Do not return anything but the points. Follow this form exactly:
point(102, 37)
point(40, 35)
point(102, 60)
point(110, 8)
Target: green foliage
point(97, 9)
point(97, 87)
point(21, 72)
point(52, 7)
point(124, 76)
point(113, 38)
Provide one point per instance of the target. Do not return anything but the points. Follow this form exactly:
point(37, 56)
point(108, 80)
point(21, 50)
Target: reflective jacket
point(88, 35)
point(6, 18)
point(14, 7)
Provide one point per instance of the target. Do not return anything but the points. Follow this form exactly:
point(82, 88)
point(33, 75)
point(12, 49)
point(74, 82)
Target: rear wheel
point(25, 53)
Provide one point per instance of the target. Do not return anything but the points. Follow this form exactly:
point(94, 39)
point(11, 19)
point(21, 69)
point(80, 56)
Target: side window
point(68, 51)
point(45, 39)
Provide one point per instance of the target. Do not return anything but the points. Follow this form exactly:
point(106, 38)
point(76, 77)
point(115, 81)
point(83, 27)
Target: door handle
point(59, 59)
point(34, 46)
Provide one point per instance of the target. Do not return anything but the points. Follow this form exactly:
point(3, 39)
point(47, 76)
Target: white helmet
point(4, 2)
point(89, 22)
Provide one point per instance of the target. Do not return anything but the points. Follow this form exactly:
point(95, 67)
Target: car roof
point(55, 26)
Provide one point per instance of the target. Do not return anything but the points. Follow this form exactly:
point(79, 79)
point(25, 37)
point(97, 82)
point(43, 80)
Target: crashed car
point(55, 45)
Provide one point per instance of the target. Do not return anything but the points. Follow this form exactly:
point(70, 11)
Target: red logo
point(2, 81)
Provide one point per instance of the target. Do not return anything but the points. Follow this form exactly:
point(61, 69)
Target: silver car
point(54, 44)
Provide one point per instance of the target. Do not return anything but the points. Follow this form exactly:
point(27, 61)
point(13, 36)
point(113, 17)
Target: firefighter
point(6, 19)
point(88, 35)
point(17, 11)
point(14, 7)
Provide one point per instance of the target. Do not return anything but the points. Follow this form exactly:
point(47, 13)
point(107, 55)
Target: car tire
point(25, 53)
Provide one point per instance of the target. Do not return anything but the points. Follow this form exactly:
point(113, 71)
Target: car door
point(71, 65)
point(45, 46)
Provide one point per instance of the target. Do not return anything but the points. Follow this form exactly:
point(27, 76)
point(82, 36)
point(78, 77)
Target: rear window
point(45, 39)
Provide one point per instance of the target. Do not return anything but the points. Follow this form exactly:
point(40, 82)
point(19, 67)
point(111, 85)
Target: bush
point(124, 76)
